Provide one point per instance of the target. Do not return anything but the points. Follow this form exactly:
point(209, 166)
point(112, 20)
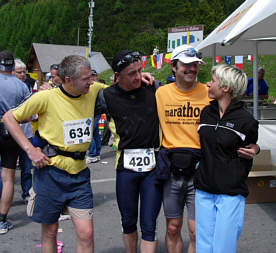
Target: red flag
point(218, 59)
point(239, 62)
point(143, 62)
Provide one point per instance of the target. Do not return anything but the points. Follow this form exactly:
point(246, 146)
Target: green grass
point(267, 62)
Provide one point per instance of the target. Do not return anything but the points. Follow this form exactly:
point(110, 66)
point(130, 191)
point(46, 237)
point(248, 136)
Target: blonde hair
point(232, 78)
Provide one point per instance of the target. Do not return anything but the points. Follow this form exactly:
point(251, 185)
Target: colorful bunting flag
point(218, 59)
point(143, 61)
point(227, 60)
point(153, 61)
point(159, 60)
point(168, 58)
point(239, 62)
point(250, 57)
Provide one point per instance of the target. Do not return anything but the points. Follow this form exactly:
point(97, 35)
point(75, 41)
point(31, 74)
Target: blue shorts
point(55, 189)
point(131, 185)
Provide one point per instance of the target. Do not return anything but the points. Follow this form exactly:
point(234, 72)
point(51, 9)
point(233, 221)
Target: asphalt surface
point(259, 232)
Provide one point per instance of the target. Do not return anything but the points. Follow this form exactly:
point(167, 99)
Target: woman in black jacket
point(226, 130)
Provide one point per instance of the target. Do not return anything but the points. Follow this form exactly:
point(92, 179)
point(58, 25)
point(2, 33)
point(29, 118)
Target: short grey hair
point(19, 64)
point(231, 77)
point(70, 66)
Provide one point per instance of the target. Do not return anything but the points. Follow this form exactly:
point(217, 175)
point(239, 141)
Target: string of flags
point(238, 60)
point(157, 60)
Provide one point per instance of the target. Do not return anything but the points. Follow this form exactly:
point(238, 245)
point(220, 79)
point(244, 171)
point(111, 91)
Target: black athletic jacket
point(221, 171)
point(135, 116)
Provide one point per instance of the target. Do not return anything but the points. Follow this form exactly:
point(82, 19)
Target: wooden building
point(42, 56)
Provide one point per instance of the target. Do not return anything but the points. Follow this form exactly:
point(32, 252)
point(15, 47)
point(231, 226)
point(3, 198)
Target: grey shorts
point(176, 193)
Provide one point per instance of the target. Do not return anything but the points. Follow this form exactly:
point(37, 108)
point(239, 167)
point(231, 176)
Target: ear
point(67, 79)
point(225, 89)
point(116, 76)
point(173, 68)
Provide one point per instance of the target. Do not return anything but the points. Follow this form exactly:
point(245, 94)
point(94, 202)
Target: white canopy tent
point(250, 29)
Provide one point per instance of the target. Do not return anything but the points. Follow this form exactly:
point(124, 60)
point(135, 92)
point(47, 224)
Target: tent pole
point(214, 55)
point(255, 81)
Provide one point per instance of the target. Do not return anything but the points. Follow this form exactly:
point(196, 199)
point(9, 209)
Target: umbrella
point(250, 29)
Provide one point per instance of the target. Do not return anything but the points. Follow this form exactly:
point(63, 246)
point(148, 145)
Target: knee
point(86, 235)
point(7, 175)
point(50, 231)
point(192, 235)
point(174, 229)
point(129, 228)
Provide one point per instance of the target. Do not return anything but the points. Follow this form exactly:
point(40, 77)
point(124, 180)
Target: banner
point(143, 61)
point(185, 35)
point(239, 62)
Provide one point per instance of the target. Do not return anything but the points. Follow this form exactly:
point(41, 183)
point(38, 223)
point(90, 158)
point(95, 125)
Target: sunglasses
point(190, 52)
point(128, 58)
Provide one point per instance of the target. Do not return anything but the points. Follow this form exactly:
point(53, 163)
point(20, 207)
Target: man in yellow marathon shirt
point(179, 105)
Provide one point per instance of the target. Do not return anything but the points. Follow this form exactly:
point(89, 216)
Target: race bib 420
point(139, 160)
point(77, 131)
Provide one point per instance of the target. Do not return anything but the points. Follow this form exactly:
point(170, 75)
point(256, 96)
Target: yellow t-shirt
point(179, 114)
point(63, 121)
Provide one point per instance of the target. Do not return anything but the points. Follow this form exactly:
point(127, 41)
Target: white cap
point(186, 54)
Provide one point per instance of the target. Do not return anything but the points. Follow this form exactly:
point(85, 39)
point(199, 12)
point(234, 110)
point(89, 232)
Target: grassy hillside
point(267, 62)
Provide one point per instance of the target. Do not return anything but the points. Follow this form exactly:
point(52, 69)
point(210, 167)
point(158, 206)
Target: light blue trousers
point(219, 221)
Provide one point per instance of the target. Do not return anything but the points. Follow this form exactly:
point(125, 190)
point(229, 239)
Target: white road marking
point(103, 180)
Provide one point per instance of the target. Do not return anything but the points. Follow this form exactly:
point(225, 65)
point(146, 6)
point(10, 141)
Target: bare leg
point(148, 247)
point(85, 236)
point(191, 227)
point(174, 242)
point(130, 241)
point(7, 176)
point(49, 238)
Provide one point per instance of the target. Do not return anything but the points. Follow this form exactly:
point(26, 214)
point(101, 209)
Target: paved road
point(259, 233)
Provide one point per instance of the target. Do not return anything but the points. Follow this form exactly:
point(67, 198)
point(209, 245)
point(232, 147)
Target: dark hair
point(6, 58)
point(119, 56)
point(54, 66)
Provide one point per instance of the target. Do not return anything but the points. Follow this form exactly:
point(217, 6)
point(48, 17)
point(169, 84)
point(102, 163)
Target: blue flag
point(227, 60)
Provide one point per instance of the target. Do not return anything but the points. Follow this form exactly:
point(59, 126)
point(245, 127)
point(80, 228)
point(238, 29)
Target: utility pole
point(91, 5)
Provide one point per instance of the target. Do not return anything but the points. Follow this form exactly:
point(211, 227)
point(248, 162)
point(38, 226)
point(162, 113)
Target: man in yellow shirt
point(61, 178)
point(179, 105)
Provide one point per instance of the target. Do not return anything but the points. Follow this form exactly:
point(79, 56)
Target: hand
point(45, 86)
point(39, 159)
point(248, 151)
point(147, 78)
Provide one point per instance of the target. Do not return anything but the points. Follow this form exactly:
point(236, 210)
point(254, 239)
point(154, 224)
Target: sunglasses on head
point(128, 58)
point(190, 52)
